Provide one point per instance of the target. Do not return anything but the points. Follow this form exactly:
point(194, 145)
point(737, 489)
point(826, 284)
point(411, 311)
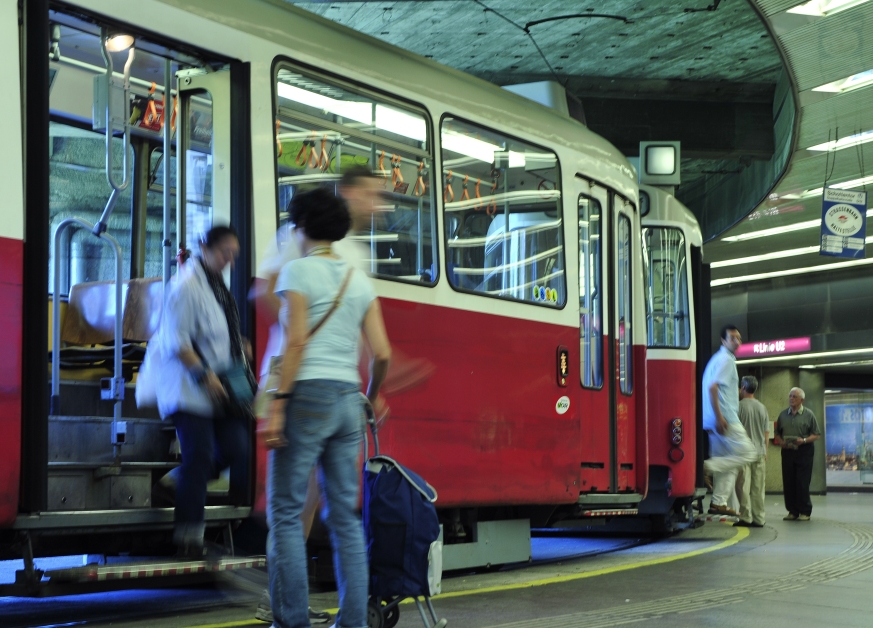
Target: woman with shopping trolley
point(316, 414)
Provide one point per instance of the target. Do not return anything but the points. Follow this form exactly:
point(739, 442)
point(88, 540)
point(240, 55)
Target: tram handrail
point(117, 188)
point(56, 317)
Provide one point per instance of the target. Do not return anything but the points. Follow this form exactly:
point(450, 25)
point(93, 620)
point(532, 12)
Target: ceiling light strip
point(787, 273)
point(811, 355)
point(805, 250)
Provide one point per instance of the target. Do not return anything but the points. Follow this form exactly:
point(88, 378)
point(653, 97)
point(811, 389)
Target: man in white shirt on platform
point(729, 445)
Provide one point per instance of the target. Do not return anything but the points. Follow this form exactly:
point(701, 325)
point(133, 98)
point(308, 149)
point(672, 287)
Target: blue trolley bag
point(402, 530)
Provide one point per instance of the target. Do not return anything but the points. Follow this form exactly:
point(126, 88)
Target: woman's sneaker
point(265, 612)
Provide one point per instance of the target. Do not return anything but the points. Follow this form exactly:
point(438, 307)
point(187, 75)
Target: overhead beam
point(707, 130)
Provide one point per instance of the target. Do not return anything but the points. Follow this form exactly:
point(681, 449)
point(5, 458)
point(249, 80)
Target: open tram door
point(91, 458)
point(612, 447)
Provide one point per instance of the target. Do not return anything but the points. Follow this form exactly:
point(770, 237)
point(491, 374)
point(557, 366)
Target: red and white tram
point(544, 327)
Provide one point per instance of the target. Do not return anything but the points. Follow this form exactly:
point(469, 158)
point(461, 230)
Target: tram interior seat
point(88, 326)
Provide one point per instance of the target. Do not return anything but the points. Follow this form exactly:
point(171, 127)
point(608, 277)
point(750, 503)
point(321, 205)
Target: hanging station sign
point(843, 223)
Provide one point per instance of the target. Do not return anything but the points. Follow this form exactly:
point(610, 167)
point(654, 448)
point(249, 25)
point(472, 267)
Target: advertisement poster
point(843, 223)
point(849, 441)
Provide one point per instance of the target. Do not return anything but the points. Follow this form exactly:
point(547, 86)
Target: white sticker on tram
point(562, 405)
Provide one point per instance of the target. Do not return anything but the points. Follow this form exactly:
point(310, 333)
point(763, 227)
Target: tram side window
point(324, 128)
point(504, 233)
point(590, 299)
point(666, 275)
point(625, 313)
point(78, 188)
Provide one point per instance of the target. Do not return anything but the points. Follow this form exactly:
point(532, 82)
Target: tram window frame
point(680, 283)
point(426, 277)
point(559, 211)
point(591, 378)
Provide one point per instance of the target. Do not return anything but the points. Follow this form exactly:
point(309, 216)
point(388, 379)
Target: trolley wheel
point(392, 616)
point(374, 615)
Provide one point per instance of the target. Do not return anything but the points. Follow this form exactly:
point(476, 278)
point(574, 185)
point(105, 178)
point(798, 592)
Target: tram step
point(88, 439)
point(153, 569)
point(82, 398)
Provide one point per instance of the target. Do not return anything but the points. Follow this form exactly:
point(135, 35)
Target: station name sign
point(773, 347)
point(843, 223)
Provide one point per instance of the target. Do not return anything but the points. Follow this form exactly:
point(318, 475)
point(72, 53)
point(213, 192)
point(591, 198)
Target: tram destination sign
point(843, 223)
point(773, 347)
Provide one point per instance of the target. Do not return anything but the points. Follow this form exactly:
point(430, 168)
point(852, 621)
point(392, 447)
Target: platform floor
point(816, 573)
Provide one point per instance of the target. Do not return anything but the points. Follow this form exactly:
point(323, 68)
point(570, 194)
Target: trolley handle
point(372, 424)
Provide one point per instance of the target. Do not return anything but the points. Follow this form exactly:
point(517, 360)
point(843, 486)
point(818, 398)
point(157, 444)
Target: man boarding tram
point(729, 446)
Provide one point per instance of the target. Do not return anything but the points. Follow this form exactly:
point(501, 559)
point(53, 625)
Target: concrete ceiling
point(701, 71)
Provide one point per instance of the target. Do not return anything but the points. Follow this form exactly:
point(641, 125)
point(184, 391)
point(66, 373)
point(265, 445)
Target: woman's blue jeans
point(323, 424)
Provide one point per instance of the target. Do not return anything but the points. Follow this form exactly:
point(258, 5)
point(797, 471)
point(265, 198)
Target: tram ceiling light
point(387, 118)
point(823, 8)
point(787, 273)
point(846, 142)
point(118, 42)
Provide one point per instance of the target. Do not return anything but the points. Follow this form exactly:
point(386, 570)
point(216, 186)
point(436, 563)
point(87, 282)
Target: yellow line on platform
point(740, 534)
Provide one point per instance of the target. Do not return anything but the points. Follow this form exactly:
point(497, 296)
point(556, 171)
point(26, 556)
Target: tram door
point(606, 350)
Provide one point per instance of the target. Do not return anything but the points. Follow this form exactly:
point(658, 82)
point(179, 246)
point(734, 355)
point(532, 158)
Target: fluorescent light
point(469, 146)
point(854, 183)
point(853, 363)
point(763, 233)
point(805, 250)
point(861, 79)
point(387, 118)
point(787, 273)
point(846, 142)
point(401, 123)
point(798, 356)
point(359, 111)
point(822, 8)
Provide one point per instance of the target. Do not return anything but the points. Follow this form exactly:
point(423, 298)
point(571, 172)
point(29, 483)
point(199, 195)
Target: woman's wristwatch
point(277, 394)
